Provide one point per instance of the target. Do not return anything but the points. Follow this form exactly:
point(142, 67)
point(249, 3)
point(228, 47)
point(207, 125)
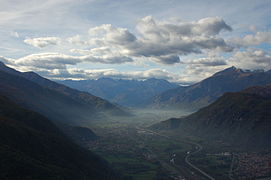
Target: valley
point(138, 152)
point(227, 139)
point(135, 90)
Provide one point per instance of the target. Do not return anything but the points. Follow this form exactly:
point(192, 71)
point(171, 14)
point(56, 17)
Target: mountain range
point(242, 118)
point(41, 120)
point(55, 101)
point(203, 93)
point(131, 93)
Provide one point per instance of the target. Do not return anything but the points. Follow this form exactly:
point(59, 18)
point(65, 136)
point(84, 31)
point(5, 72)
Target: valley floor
point(142, 154)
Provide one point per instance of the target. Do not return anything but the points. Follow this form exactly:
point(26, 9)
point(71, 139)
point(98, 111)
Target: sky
point(178, 40)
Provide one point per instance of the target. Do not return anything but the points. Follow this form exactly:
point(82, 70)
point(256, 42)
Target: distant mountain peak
point(234, 70)
point(7, 69)
point(31, 74)
point(155, 80)
point(1, 63)
point(206, 91)
point(106, 79)
point(232, 67)
point(126, 92)
point(230, 70)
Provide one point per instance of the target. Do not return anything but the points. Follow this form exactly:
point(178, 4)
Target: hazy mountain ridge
point(98, 103)
point(31, 147)
point(53, 100)
point(132, 93)
point(208, 90)
point(241, 117)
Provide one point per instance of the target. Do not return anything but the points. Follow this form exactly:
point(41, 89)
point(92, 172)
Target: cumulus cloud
point(42, 42)
point(53, 61)
point(59, 66)
point(207, 61)
point(77, 40)
point(80, 51)
point(163, 42)
point(208, 27)
point(199, 68)
point(112, 35)
point(252, 39)
point(167, 59)
point(96, 51)
point(43, 61)
point(251, 59)
point(159, 41)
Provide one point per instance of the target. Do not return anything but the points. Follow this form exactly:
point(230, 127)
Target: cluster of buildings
point(253, 165)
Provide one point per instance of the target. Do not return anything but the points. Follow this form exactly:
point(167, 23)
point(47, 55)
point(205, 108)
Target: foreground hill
point(131, 93)
point(208, 90)
point(51, 99)
point(243, 118)
point(31, 147)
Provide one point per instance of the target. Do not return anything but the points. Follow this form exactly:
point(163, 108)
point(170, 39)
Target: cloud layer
point(252, 39)
point(54, 61)
point(42, 42)
point(160, 41)
point(113, 73)
point(199, 48)
point(163, 42)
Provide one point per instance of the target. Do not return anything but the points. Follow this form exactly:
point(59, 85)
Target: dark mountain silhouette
point(32, 147)
point(242, 118)
point(51, 99)
point(133, 93)
point(80, 135)
point(208, 90)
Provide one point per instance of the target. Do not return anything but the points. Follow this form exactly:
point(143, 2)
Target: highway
point(197, 146)
point(231, 168)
